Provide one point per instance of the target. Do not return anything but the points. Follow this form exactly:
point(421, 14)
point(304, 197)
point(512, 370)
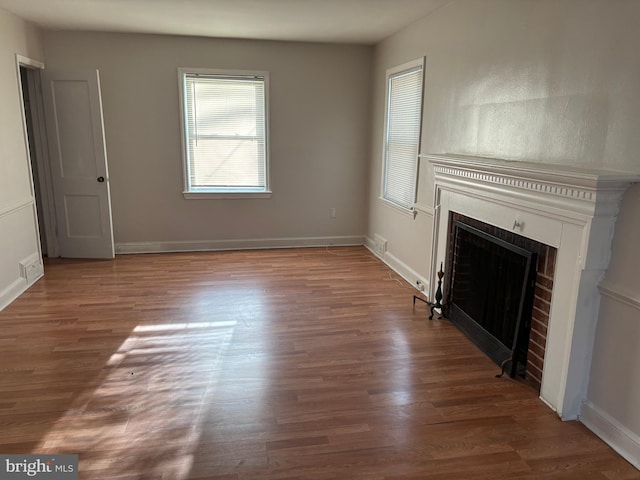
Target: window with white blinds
point(402, 134)
point(225, 132)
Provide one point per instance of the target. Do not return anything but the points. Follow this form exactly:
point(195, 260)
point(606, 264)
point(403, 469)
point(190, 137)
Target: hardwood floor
point(283, 364)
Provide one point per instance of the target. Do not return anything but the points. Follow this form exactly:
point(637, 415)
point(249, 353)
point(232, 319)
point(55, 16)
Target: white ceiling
point(336, 21)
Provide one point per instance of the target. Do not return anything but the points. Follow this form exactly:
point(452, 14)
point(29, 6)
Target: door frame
point(45, 185)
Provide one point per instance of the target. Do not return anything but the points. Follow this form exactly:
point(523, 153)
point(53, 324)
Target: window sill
point(208, 195)
point(404, 211)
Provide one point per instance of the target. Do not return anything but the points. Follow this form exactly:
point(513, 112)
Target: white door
point(73, 113)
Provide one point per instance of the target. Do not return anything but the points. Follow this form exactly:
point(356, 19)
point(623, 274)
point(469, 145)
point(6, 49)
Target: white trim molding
point(616, 435)
point(405, 271)
point(29, 62)
point(212, 192)
point(14, 207)
point(619, 294)
point(403, 184)
point(38, 149)
point(425, 209)
point(409, 212)
point(370, 244)
point(240, 244)
point(12, 291)
point(237, 195)
point(570, 208)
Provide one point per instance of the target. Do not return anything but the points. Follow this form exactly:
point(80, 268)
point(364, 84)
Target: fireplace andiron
point(437, 305)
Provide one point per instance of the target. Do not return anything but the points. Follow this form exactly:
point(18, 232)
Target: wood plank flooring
point(283, 364)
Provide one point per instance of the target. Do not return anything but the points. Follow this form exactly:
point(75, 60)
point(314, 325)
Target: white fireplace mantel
point(570, 208)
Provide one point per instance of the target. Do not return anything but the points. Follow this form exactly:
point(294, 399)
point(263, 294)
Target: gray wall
point(554, 82)
point(18, 227)
point(319, 131)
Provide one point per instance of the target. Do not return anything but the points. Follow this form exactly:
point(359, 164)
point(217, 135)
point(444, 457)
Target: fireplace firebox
point(490, 294)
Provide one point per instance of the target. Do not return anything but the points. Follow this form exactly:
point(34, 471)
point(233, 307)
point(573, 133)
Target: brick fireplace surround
point(569, 208)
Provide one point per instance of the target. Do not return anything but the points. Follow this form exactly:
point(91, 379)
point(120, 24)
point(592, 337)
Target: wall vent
point(379, 245)
point(31, 269)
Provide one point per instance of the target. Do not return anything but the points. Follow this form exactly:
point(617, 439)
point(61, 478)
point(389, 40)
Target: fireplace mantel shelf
point(568, 207)
point(553, 175)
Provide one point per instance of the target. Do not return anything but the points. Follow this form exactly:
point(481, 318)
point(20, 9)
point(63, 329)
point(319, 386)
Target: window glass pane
point(404, 112)
point(225, 132)
point(227, 163)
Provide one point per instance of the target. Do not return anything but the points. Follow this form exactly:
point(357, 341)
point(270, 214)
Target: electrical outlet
point(332, 212)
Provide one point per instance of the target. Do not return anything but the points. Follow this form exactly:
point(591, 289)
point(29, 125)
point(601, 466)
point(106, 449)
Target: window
point(402, 133)
point(224, 129)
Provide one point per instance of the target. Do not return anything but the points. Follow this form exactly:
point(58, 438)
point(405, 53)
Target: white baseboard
point(370, 244)
point(13, 291)
point(401, 268)
point(612, 432)
point(242, 244)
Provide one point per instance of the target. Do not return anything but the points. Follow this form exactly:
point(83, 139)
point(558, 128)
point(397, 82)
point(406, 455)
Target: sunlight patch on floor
point(148, 407)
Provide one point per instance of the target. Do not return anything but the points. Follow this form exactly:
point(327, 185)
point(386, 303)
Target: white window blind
point(225, 133)
point(402, 136)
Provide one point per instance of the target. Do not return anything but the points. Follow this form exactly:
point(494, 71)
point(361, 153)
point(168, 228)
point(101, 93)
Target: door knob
point(101, 179)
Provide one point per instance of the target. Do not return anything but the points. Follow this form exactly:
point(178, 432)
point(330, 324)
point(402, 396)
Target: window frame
point(418, 63)
point(220, 192)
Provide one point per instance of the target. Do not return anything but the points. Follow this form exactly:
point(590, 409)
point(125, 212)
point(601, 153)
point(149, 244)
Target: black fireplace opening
point(490, 294)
